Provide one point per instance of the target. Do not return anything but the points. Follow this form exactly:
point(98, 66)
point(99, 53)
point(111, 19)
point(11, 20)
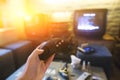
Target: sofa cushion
point(7, 65)
point(21, 50)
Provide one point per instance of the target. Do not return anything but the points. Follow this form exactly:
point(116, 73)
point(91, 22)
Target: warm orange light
point(27, 18)
point(61, 16)
point(55, 1)
point(20, 13)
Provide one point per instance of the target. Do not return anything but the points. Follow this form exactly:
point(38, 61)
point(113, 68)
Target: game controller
point(84, 76)
point(86, 50)
point(51, 78)
point(56, 45)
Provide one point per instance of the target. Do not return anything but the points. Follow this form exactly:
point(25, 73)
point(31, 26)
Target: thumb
point(39, 51)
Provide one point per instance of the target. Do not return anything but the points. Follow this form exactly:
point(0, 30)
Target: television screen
point(90, 22)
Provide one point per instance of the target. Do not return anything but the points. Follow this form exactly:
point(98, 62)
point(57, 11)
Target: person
point(35, 68)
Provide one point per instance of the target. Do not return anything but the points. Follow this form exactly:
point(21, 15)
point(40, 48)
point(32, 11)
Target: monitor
point(90, 22)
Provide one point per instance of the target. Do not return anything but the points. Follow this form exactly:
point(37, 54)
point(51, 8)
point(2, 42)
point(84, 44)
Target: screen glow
point(86, 22)
point(88, 27)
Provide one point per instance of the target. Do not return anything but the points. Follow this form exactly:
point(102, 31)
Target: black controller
point(56, 45)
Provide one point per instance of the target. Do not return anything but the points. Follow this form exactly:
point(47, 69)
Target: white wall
point(8, 36)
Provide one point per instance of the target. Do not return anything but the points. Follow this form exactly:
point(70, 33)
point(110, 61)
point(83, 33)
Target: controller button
point(60, 43)
point(62, 40)
point(57, 45)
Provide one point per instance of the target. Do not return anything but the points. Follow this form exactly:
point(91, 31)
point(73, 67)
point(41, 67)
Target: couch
point(7, 65)
point(13, 55)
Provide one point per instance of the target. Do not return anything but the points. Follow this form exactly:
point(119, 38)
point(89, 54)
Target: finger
point(42, 66)
point(49, 60)
point(41, 45)
point(39, 51)
point(36, 52)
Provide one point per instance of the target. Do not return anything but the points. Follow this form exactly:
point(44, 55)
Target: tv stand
point(107, 43)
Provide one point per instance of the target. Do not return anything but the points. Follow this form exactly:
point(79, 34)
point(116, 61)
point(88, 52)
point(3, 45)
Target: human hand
point(35, 68)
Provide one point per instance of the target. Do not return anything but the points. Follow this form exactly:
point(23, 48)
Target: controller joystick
point(55, 45)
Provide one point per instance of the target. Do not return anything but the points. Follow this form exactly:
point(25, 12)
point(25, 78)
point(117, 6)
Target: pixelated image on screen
point(90, 22)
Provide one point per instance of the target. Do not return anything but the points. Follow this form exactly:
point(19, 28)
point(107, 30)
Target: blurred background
point(50, 17)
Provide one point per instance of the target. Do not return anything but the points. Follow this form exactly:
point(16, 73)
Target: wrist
point(24, 76)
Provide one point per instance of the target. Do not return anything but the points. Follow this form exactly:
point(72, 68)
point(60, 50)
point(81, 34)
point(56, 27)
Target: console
point(57, 45)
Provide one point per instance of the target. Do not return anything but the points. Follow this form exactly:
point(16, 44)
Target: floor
point(115, 73)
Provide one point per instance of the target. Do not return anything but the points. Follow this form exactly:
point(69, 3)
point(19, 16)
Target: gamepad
point(56, 45)
point(86, 50)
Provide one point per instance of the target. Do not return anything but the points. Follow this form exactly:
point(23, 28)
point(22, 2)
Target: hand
point(35, 68)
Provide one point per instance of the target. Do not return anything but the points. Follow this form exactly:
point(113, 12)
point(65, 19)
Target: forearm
point(24, 77)
point(27, 76)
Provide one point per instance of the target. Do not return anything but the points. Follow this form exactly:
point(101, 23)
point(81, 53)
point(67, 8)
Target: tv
point(90, 22)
